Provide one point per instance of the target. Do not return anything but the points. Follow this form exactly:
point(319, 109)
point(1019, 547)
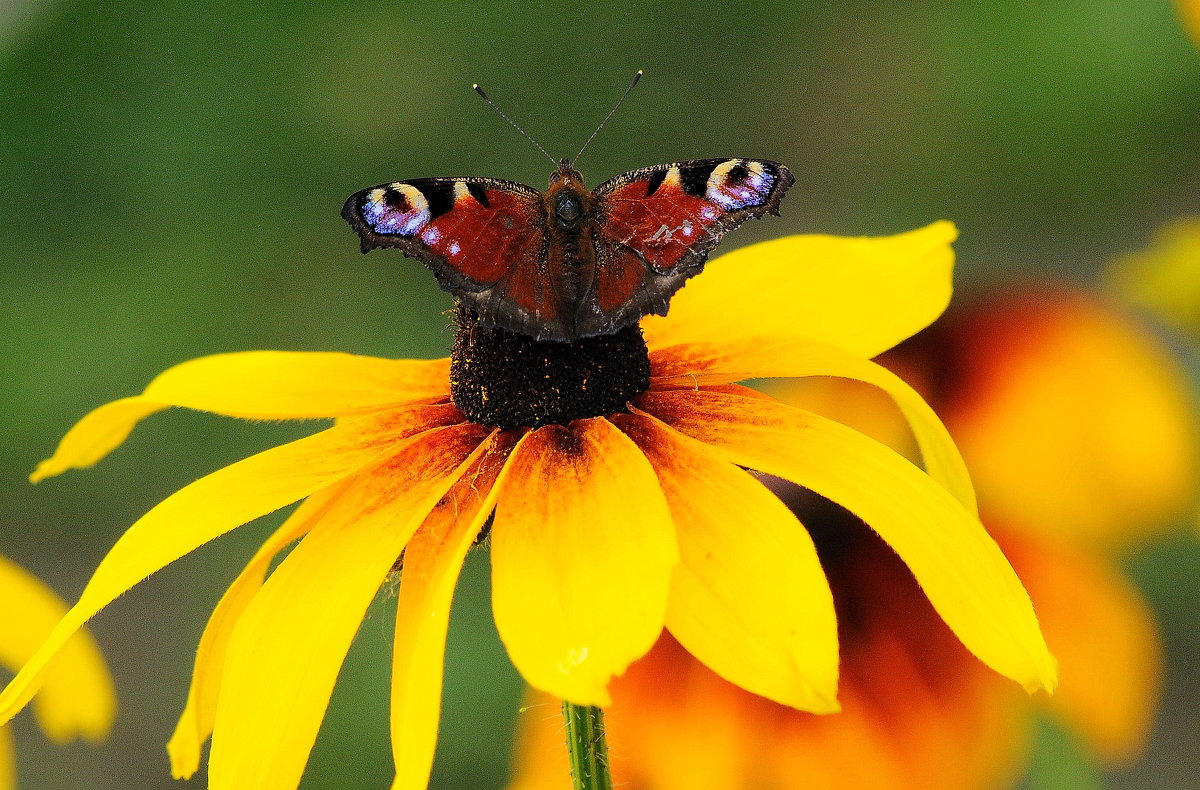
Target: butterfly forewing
point(658, 225)
point(673, 215)
point(470, 231)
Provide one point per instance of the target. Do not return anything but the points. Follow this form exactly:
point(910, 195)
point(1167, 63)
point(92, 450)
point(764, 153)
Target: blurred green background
point(170, 180)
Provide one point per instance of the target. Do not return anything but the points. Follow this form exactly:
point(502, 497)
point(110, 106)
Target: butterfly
point(570, 262)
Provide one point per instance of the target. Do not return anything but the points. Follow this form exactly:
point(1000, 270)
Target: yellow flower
point(605, 531)
point(1189, 14)
point(917, 710)
point(1165, 279)
point(76, 695)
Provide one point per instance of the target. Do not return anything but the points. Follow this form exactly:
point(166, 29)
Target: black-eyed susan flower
point(918, 711)
point(75, 698)
point(611, 474)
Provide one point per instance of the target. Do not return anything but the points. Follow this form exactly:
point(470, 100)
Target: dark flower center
point(507, 380)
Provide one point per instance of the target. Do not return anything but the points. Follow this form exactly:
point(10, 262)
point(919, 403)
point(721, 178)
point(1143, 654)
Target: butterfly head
point(567, 198)
point(565, 172)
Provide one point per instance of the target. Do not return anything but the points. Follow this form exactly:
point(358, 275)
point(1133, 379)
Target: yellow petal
point(720, 363)
point(582, 550)
point(286, 649)
point(748, 598)
point(256, 385)
point(8, 764)
point(1105, 639)
point(432, 561)
point(100, 432)
point(853, 403)
point(959, 566)
point(295, 384)
point(196, 722)
point(863, 295)
point(212, 506)
point(77, 697)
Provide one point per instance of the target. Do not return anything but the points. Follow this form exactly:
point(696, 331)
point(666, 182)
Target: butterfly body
point(570, 262)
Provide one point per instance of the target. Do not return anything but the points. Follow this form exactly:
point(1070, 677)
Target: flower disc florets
point(506, 380)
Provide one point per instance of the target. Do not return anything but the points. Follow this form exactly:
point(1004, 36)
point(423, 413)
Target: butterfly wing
point(657, 225)
point(484, 239)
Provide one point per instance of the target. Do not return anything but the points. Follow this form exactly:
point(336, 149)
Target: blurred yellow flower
point(917, 710)
point(1165, 279)
point(76, 696)
point(605, 531)
point(1189, 13)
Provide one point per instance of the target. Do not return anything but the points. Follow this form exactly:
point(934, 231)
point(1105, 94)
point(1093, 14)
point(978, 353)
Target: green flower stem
point(587, 746)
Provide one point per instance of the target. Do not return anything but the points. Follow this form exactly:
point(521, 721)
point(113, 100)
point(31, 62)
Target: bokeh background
point(170, 179)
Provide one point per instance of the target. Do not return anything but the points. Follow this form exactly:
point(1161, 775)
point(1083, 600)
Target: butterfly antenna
point(616, 106)
point(526, 134)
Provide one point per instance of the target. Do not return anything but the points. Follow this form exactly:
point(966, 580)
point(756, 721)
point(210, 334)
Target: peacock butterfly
point(569, 262)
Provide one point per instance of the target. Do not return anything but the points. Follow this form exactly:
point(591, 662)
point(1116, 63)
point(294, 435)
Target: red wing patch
point(661, 227)
point(483, 242)
point(619, 279)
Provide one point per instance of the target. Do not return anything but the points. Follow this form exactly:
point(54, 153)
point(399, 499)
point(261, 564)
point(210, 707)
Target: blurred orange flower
point(1080, 433)
point(1075, 422)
